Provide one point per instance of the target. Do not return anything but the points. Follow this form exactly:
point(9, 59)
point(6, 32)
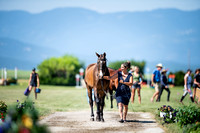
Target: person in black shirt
point(196, 81)
point(164, 85)
point(34, 81)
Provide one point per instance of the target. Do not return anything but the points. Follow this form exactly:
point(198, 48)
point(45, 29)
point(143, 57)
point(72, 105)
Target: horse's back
point(89, 75)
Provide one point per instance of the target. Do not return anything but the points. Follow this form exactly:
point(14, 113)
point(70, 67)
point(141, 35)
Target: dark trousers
point(161, 90)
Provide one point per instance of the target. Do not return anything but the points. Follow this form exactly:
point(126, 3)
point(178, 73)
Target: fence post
point(16, 73)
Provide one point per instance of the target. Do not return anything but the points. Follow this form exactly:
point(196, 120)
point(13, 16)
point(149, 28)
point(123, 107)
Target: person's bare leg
point(194, 93)
point(120, 105)
point(155, 95)
point(132, 95)
point(125, 112)
point(139, 97)
point(35, 93)
point(30, 88)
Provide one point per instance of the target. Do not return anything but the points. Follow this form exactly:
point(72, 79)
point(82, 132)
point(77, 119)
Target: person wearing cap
point(164, 85)
point(34, 81)
point(155, 80)
point(187, 85)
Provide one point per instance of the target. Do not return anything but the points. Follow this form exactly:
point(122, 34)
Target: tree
point(117, 64)
point(179, 78)
point(59, 71)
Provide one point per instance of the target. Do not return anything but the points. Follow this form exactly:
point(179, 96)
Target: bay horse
point(94, 80)
point(113, 84)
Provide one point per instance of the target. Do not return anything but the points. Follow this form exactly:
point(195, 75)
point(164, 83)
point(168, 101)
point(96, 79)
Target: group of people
point(129, 81)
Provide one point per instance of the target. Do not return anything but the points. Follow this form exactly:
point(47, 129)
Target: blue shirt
point(157, 76)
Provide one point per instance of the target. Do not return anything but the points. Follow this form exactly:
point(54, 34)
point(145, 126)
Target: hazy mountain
point(14, 53)
point(165, 35)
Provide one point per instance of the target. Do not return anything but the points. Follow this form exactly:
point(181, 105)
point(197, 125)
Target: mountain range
point(168, 36)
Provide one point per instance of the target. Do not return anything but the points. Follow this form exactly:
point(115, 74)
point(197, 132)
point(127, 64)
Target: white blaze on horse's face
point(100, 73)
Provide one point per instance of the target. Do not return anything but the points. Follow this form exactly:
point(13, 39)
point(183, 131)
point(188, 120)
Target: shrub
point(188, 115)
point(59, 71)
point(117, 64)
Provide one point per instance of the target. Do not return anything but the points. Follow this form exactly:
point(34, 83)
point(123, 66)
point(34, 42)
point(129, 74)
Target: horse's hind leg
point(111, 97)
point(89, 89)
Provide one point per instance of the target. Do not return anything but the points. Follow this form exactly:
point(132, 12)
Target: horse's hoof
point(102, 120)
point(111, 107)
point(92, 119)
point(97, 119)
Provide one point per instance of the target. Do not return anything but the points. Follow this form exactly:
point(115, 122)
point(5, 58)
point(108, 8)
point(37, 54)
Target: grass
point(63, 98)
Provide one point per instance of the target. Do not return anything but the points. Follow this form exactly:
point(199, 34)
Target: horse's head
point(101, 65)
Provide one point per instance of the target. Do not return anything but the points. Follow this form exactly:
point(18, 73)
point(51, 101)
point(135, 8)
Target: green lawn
point(63, 98)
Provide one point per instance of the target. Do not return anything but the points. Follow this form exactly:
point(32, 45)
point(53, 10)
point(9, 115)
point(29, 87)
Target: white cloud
point(186, 32)
point(27, 49)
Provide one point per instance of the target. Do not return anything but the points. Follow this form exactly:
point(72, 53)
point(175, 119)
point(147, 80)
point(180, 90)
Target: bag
point(26, 92)
point(38, 90)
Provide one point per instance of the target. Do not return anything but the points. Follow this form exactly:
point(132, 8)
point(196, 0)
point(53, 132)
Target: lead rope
point(103, 89)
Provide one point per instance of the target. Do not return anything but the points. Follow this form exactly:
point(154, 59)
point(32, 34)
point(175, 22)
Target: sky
point(101, 6)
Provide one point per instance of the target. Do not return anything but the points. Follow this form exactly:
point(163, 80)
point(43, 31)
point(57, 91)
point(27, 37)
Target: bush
point(188, 115)
point(117, 64)
point(179, 78)
point(59, 71)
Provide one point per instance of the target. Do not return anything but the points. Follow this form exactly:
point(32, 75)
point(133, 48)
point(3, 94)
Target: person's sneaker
point(121, 121)
point(125, 121)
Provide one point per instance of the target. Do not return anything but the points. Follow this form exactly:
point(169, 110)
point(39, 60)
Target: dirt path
point(79, 122)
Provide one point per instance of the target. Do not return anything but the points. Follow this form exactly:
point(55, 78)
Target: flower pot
point(162, 114)
point(170, 115)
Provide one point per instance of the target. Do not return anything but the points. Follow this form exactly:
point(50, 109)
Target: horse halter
point(101, 63)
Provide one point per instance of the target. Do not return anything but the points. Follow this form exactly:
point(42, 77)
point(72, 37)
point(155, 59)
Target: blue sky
point(102, 6)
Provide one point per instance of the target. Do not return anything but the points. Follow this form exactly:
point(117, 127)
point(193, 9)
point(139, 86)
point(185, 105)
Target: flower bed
point(3, 109)
point(168, 113)
point(186, 117)
point(22, 118)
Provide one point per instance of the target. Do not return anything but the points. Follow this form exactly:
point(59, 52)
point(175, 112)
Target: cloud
point(186, 32)
point(27, 49)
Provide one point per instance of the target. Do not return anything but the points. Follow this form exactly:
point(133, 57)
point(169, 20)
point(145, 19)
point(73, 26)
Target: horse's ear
point(97, 54)
point(104, 54)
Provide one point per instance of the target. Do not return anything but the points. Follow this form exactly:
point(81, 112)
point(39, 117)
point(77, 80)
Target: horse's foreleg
point(101, 108)
point(91, 104)
point(98, 107)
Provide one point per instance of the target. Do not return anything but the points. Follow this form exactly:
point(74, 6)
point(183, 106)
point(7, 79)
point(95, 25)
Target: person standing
point(123, 94)
point(196, 81)
point(34, 81)
point(137, 81)
point(187, 86)
point(155, 80)
point(164, 85)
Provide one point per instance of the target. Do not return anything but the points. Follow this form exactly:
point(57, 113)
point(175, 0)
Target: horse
point(94, 80)
point(113, 84)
